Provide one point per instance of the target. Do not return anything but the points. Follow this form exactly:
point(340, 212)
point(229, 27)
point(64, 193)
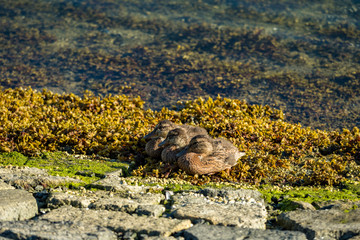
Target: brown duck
point(174, 142)
point(160, 132)
point(205, 155)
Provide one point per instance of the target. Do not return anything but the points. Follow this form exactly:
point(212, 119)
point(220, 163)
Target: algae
point(85, 168)
point(277, 152)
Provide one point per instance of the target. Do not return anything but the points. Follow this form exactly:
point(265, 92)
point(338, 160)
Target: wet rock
point(16, 204)
point(208, 232)
point(243, 212)
point(322, 224)
point(118, 221)
point(42, 229)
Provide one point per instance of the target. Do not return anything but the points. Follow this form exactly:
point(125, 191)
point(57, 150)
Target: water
point(299, 56)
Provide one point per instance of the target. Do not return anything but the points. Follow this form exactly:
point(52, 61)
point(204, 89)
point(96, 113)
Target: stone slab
point(114, 182)
point(232, 194)
point(245, 212)
point(209, 232)
point(4, 186)
point(323, 224)
point(105, 201)
point(150, 210)
point(118, 221)
point(41, 229)
point(16, 204)
point(27, 178)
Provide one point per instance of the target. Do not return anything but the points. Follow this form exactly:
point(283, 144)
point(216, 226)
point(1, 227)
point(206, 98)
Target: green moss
point(12, 158)
point(84, 168)
point(284, 196)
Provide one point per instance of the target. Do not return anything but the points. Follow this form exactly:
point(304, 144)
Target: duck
point(160, 132)
point(174, 142)
point(157, 136)
point(205, 155)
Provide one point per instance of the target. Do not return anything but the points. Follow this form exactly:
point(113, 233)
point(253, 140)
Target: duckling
point(205, 155)
point(160, 132)
point(175, 141)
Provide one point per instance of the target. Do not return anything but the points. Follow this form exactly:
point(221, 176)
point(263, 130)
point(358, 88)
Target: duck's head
point(200, 144)
point(176, 137)
point(161, 129)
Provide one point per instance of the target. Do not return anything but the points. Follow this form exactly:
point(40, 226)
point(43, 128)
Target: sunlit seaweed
point(113, 126)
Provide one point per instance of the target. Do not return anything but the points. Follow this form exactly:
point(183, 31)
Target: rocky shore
point(113, 209)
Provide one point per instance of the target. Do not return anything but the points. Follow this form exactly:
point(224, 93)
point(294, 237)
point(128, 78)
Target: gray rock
point(231, 194)
point(118, 221)
point(302, 205)
point(357, 237)
point(338, 204)
point(16, 204)
point(115, 204)
point(208, 232)
point(150, 210)
point(4, 186)
point(26, 178)
point(322, 224)
point(113, 181)
point(159, 238)
point(247, 213)
point(104, 201)
point(41, 229)
point(58, 199)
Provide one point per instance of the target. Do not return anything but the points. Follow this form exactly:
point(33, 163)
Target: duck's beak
point(150, 135)
point(182, 152)
point(163, 143)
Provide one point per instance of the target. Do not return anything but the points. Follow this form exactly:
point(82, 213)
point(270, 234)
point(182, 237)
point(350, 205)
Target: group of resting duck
point(190, 148)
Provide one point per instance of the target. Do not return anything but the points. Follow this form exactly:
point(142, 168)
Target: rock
point(157, 238)
point(114, 182)
point(150, 210)
point(322, 224)
point(42, 229)
point(58, 199)
point(117, 221)
point(31, 178)
point(231, 194)
point(104, 201)
point(247, 213)
point(16, 204)
point(357, 237)
point(208, 232)
point(301, 205)
point(4, 186)
point(338, 204)
point(115, 204)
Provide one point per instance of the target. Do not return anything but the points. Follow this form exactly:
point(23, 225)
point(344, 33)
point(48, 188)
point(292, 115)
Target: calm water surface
point(299, 56)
